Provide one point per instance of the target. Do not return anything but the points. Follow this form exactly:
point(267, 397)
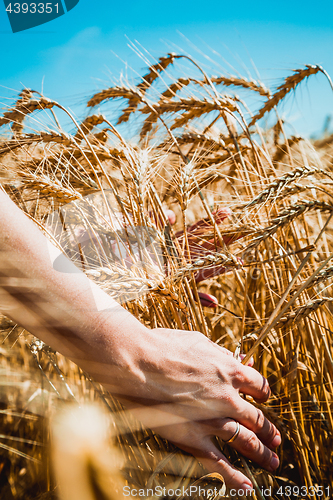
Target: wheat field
point(256, 278)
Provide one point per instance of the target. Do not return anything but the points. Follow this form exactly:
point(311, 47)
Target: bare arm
point(63, 308)
point(192, 384)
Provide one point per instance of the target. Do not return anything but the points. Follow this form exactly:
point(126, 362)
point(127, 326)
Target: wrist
point(116, 353)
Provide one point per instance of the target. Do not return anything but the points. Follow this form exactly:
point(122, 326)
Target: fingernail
point(246, 486)
point(276, 441)
point(274, 464)
point(171, 216)
point(208, 300)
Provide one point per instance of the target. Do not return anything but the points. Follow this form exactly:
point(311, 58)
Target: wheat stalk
point(290, 83)
point(194, 172)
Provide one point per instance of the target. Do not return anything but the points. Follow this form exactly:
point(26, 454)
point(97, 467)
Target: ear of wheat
point(103, 200)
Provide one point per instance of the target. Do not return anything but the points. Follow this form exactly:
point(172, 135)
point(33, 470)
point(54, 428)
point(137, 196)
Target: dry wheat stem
point(276, 316)
point(48, 168)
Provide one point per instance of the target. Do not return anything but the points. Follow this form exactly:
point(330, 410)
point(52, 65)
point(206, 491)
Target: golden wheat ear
point(86, 464)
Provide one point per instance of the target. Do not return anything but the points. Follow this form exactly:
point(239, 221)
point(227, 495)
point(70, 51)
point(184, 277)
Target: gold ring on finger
point(235, 434)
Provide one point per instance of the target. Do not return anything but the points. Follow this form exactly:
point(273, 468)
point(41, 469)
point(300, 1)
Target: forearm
point(63, 308)
point(192, 383)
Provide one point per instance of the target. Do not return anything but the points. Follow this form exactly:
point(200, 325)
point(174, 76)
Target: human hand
point(180, 383)
point(202, 243)
point(191, 392)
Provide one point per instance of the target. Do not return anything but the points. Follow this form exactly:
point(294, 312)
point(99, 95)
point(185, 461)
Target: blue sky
point(86, 49)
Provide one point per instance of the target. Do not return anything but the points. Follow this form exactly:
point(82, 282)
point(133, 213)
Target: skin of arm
point(179, 383)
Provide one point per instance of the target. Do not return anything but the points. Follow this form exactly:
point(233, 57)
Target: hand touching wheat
point(177, 382)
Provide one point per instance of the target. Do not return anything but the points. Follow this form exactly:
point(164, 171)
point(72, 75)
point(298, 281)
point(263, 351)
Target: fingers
point(171, 216)
point(215, 461)
point(210, 272)
point(221, 214)
point(250, 361)
point(251, 382)
point(208, 300)
point(248, 444)
point(253, 419)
